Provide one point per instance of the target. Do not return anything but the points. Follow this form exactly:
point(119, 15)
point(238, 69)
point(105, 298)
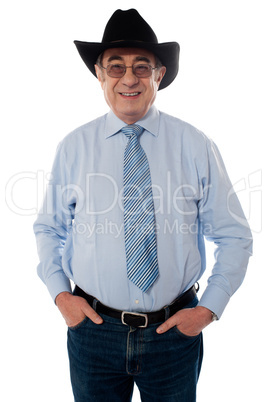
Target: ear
point(99, 74)
point(161, 74)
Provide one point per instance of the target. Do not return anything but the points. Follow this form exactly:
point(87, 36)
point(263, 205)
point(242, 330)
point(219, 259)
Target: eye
point(117, 68)
point(142, 70)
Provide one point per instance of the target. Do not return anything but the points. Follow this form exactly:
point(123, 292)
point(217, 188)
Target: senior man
point(133, 194)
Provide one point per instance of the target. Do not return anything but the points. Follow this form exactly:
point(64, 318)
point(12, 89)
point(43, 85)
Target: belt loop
point(167, 312)
point(95, 301)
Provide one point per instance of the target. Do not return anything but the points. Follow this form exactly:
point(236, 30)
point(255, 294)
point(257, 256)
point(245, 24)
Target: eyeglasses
point(139, 70)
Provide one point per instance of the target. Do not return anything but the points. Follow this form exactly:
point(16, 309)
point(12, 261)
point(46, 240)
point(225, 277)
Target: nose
point(129, 78)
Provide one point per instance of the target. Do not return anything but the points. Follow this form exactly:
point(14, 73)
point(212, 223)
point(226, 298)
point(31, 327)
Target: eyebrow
point(111, 58)
point(138, 58)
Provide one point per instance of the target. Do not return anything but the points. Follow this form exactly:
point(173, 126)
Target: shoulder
point(88, 129)
point(82, 137)
point(183, 131)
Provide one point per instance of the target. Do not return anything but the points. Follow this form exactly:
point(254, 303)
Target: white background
point(46, 92)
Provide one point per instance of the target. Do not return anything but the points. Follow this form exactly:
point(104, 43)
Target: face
point(129, 97)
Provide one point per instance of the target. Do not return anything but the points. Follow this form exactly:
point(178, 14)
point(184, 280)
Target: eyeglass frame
point(132, 67)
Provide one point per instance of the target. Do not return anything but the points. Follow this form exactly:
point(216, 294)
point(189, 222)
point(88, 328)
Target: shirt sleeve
point(51, 228)
point(222, 221)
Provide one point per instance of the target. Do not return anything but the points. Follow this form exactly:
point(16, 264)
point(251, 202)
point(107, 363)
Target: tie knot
point(132, 129)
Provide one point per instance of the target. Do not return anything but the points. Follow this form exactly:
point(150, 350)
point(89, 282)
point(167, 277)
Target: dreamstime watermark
point(181, 199)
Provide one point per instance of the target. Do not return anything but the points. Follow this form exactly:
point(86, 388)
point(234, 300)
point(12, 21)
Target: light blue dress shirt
point(80, 233)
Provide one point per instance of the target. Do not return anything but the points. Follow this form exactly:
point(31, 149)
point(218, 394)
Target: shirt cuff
point(58, 283)
point(215, 299)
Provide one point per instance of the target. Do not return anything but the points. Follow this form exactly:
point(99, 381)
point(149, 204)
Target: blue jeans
point(106, 360)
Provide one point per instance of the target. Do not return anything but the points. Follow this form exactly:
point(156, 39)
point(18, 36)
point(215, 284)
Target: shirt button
point(136, 301)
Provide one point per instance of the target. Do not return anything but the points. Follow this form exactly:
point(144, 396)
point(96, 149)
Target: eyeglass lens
point(118, 70)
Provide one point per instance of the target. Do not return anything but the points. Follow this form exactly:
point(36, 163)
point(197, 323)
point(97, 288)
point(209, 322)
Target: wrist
point(62, 297)
point(206, 315)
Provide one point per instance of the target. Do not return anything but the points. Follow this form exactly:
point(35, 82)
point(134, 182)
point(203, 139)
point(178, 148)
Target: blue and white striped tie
point(139, 218)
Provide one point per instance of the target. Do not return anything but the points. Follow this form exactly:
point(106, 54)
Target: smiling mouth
point(130, 94)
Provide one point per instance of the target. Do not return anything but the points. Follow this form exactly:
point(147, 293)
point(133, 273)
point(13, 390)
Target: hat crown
point(128, 26)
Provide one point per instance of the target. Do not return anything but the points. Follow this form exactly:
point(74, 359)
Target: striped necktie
point(139, 219)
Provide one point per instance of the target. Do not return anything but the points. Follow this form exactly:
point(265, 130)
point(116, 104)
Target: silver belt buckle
point(136, 314)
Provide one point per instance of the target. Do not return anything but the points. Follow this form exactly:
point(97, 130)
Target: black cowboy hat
point(129, 29)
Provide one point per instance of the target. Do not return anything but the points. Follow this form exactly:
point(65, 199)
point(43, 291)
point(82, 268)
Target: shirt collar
point(149, 122)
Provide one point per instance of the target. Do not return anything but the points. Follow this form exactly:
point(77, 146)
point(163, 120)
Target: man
point(132, 196)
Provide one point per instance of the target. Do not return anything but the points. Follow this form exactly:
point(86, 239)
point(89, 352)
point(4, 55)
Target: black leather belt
point(140, 320)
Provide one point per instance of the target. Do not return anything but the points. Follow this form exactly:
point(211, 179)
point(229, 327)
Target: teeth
point(130, 94)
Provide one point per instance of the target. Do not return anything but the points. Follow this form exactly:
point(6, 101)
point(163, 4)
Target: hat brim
point(168, 53)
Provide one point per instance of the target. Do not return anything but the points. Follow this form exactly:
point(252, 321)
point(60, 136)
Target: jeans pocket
point(182, 335)
point(81, 324)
